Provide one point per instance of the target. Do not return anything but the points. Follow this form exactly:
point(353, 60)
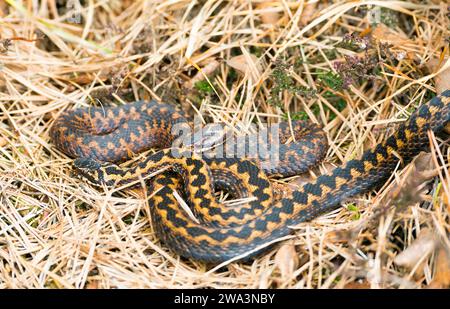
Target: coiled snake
point(99, 136)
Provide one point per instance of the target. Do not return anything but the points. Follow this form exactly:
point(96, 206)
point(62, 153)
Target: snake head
point(92, 171)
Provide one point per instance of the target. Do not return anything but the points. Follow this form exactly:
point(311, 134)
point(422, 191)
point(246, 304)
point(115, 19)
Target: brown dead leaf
point(442, 193)
point(422, 246)
point(286, 261)
point(206, 71)
point(308, 13)
point(246, 64)
point(442, 80)
point(3, 141)
point(269, 16)
point(445, 200)
point(442, 277)
point(87, 78)
point(410, 189)
point(384, 34)
point(4, 8)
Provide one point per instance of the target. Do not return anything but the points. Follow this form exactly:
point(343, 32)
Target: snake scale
point(99, 136)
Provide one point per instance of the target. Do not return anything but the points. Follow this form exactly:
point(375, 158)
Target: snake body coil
point(223, 233)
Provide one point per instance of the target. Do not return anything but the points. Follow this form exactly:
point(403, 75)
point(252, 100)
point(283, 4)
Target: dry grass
point(56, 231)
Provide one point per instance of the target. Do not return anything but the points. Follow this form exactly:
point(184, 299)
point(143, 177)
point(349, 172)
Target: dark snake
point(98, 136)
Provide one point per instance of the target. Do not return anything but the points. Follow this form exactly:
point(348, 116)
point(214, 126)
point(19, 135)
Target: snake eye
point(86, 163)
point(89, 169)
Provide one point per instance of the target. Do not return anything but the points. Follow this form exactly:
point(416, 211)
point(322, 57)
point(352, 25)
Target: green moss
point(204, 87)
point(257, 51)
point(331, 80)
point(319, 57)
point(282, 81)
point(355, 210)
point(82, 205)
point(301, 115)
point(341, 104)
point(128, 219)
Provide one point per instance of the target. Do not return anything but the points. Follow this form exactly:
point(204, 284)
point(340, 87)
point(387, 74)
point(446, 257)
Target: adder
point(96, 137)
